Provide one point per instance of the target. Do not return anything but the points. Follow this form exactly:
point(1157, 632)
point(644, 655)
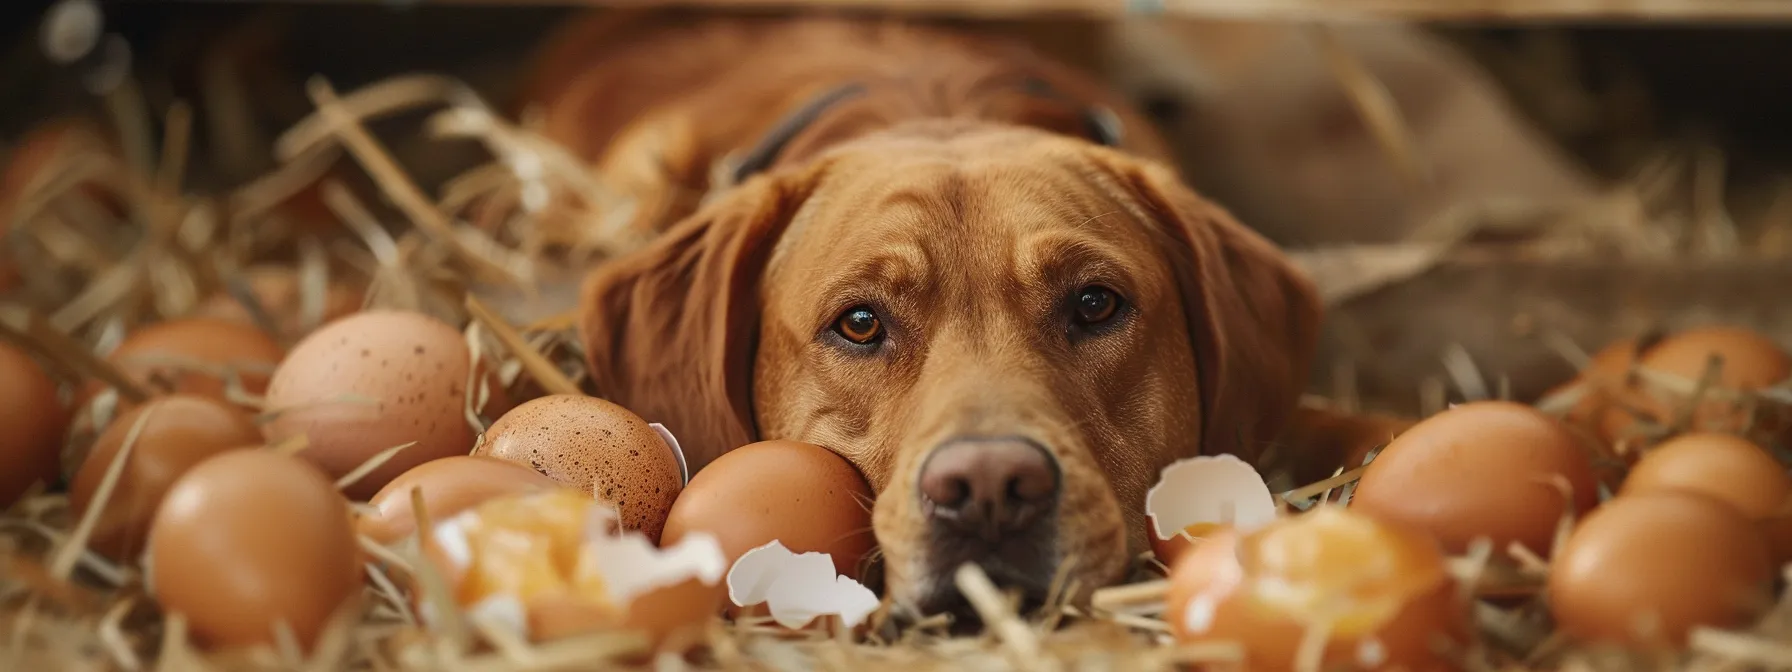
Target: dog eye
point(859, 325)
point(1096, 304)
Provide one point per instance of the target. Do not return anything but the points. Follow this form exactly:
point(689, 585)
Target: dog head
point(1009, 332)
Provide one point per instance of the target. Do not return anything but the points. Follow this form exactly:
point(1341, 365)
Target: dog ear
point(1253, 318)
point(669, 331)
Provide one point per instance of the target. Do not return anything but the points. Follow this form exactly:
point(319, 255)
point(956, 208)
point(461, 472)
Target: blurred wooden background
point(1672, 115)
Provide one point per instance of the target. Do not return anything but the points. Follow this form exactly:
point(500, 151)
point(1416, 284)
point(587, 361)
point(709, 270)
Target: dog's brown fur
point(965, 211)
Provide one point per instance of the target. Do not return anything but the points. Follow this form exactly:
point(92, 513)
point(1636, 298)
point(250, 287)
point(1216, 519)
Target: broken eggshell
point(797, 587)
point(684, 470)
point(637, 586)
point(1199, 495)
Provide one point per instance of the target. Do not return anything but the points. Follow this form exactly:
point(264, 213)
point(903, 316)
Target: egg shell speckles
point(371, 381)
point(596, 446)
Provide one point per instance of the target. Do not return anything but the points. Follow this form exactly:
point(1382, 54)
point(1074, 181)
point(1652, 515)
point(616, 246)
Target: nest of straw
point(106, 237)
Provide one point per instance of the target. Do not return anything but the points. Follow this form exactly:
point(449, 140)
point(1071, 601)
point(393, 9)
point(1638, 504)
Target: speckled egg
point(374, 380)
point(32, 420)
point(597, 446)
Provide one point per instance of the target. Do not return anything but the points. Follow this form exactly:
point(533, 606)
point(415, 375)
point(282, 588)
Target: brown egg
point(32, 420)
point(450, 485)
point(1604, 373)
point(1481, 469)
point(676, 616)
point(23, 168)
point(47, 142)
point(1384, 590)
point(181, 431)
point(805, 496)
point(194, 356)
point(597, 446)
point(1724, 467)
point(1750, 362)
point(673, 618)
point(307, 213)
point(277, 289)
point(372, 381)
point(801, 494)
point(1777, 530)
point(1645, 569)
point(250, 538)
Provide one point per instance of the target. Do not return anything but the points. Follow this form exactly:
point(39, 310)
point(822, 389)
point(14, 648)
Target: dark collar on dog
point(1100, 124)
point(768, 149)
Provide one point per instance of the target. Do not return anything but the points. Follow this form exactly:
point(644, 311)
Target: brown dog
point(958, 265)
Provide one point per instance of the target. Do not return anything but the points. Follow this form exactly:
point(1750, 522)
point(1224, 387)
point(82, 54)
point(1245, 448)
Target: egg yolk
point(1202, 530)
point(529, 548)
point(1346, 571)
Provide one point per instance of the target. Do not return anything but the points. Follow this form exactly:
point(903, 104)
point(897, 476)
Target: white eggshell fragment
point(632, 566)
point(1216, 489)
point(684, 470)
point(797, 588)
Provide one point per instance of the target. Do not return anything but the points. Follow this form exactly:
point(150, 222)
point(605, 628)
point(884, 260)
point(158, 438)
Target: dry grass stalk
point(62, 563)
point(31, 330)
point(378, 460)
point(481, 255)
point(543, 371)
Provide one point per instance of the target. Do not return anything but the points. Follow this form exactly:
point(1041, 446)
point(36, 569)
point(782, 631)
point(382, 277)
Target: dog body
point(660, 101)
point(956, 264)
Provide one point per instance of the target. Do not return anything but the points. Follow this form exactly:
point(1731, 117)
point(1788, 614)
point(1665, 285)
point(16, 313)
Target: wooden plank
point(1498, 312)
point(1501, 11)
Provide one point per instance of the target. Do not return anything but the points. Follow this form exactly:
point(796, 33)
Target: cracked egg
point(1200, 496)
point(1331, 587)
point(552, 564)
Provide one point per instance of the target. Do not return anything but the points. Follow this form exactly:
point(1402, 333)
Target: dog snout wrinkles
point(989, 487)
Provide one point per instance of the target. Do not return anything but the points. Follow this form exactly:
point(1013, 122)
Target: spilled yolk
point(1339, 570)
point(528, 548)
point(1202, 530)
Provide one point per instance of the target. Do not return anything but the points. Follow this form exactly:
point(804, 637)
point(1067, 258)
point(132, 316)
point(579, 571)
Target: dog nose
point(990, 485)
